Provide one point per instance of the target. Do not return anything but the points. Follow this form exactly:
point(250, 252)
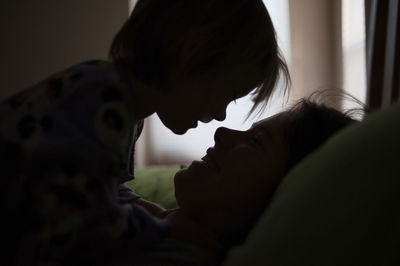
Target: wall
point(354, 53)
point(316, 45)
point(41, 37)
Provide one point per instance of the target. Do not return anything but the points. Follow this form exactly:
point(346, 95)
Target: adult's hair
point(310, 124)
point(202, 36)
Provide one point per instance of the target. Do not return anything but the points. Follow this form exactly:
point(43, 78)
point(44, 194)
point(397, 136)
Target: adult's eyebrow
point(266, 129)
point(255, 124)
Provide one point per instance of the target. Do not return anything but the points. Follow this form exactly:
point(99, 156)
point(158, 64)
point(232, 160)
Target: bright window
point(353, 47)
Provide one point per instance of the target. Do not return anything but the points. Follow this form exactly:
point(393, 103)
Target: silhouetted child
point(67, 143)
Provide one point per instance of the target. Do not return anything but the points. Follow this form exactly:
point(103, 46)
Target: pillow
point(156, 184)
point(340, 206)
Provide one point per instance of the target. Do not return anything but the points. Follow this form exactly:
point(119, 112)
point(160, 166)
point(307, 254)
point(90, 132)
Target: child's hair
point(202, 36)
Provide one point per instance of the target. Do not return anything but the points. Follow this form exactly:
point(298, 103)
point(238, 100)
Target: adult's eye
point(257, 139)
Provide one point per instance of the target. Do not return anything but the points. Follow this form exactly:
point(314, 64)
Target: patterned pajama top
point(66, 148)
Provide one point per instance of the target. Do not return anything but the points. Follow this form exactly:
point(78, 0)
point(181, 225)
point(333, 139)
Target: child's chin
point(178, 126)
point(182, 130)
point(179, 131)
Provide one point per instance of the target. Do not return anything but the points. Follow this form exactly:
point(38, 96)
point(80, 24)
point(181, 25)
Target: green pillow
point(340, 206)
point(156, 184)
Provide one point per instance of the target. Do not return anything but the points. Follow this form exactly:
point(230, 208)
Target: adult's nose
point(226, 137)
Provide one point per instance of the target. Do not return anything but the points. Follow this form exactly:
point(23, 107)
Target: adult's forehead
point(265, 120)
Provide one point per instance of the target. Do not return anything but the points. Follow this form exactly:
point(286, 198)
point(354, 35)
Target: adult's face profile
point(237, 174)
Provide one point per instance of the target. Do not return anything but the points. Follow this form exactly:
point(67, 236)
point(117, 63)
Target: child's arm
point(64, 137)
point(152, 207)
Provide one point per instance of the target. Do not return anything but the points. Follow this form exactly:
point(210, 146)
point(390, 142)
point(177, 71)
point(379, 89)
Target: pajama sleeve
point(65, 145)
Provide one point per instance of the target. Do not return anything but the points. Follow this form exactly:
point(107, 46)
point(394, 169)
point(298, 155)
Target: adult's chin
point(177, 185)
point(185, 183)
point(182, 182)
point(192, 184)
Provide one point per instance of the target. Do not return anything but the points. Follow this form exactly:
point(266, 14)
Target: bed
point(339, 206)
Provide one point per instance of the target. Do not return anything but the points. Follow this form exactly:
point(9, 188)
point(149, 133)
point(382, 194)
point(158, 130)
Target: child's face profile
point(187, 101)
point(238, 173)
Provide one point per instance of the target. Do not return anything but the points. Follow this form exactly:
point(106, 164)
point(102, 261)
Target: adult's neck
point(187, 230)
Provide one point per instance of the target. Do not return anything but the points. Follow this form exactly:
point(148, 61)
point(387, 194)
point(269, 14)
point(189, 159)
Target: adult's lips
point(210, 159)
